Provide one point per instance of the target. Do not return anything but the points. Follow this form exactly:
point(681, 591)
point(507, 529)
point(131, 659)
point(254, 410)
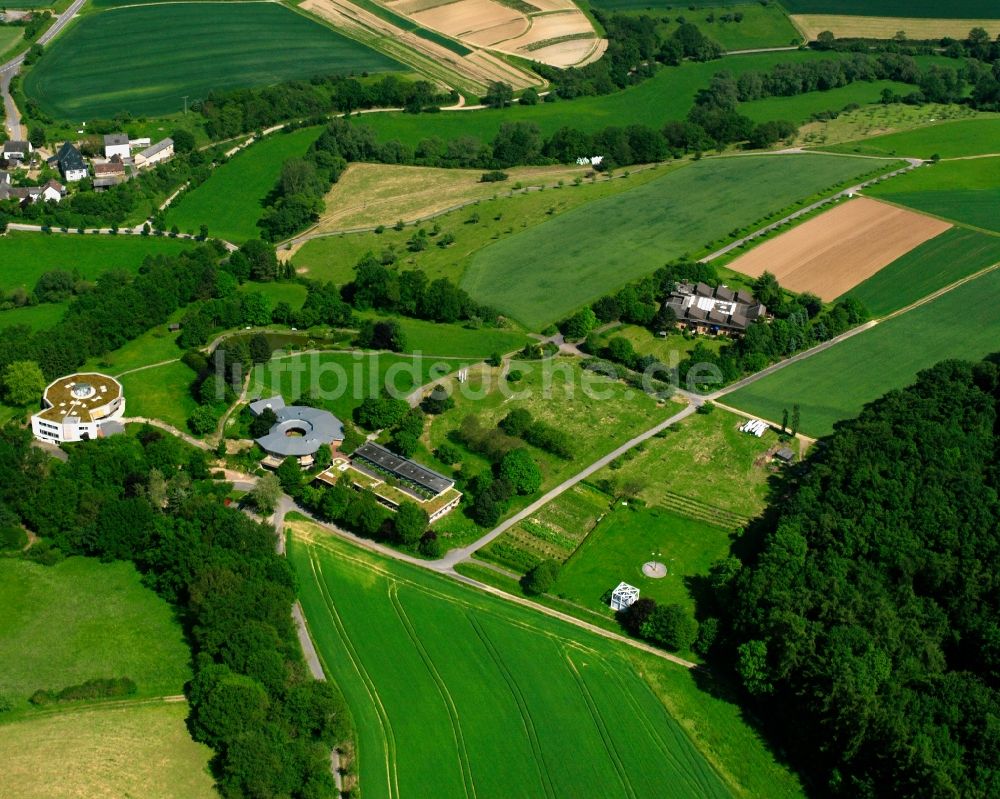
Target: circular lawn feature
point(654, 569)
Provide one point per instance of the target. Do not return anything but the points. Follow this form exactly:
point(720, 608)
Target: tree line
point(860, 612)
point(148, 498)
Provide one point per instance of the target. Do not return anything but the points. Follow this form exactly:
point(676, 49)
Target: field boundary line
point(461, 749)
point(392, 777)
point(602, 728)
point(482, 588)
point(941, 292)
point(522, 704)
point(953, 222)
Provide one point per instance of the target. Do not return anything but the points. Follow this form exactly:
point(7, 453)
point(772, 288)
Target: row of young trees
point(148, 498)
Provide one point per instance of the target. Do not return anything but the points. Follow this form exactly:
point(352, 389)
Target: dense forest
point(862, 614)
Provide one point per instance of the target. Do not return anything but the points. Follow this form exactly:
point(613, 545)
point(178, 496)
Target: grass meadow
point(960, 9)
point(453, 689)
point(104, 752)
point(9, 37)
point(627, 538)
point(474, 227)
point(292, 293)
point(954, 254)
point(667, 96)
point(35, 317)
point(161, 392)
point(952, 139)
point(761, 26)
point(209, 46)
point(801, 107)
point(232, 199)
point(454, 341)
point(342, 380)
point(836, 383)
point(26, 256)
point(54, 639)
point(962, 191)
point(543, 273)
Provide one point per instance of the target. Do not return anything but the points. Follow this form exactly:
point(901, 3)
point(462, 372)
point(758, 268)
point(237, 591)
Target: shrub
point(541, 578)
point(13, 538)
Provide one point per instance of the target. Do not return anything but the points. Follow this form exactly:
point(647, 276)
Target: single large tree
point(23, 383)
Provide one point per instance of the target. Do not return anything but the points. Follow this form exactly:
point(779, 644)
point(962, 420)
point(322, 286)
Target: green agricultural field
point(800, 108)
point(545, 272)
point(667, 96)
point(946, 139)
point(944, 259)
point(142, 750)
point(963, 191)
point(836, 383)
point(54, 639)
point(161, 392)
point(232, 199)
point(25, 256)
point(629, 537)
point(453, 689)
point(760, 25)
point(961, 9)
point(474, 227)
point(342, 380)
point(217, 46)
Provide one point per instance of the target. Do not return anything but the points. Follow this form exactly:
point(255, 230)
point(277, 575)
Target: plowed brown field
point(835, 251)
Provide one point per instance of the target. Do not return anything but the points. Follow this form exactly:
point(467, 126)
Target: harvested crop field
point(368, 194)
point(560, 35)
point(844, 26)
point(839, 249)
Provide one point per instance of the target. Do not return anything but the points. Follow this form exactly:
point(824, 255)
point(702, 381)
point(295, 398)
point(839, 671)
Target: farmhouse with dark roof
point(69, 161)
point(703, 309)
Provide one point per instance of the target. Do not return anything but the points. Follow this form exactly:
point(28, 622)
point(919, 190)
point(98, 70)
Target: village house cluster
point(701, 308)
point(122, 159)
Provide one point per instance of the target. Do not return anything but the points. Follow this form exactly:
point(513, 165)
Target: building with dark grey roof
point(299, 431)
point(719, 310)
point(403, 469)
point(70, 163)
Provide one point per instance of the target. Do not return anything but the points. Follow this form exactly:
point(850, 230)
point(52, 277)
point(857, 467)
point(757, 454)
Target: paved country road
point(12, 67)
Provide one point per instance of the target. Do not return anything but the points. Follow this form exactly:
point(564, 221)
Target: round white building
point(79, 407)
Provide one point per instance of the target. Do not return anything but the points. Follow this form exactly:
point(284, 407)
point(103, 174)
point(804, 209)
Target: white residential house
point(161, 151)
point(50, 192)
point(17, 150)
point(70, 163)
point(117, 144)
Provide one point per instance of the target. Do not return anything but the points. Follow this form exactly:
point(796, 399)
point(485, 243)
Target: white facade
point(624, 596)
point(117, 144)
point(77, 408)
point(73, 175)
point(161, 151)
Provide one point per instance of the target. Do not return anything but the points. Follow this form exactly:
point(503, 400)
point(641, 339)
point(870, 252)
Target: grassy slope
point(25, 256)
point(597, 248)
point(162, 392)
point(961, 9)
point(667, 96)
point(761, 26)
point(835, 384)
point(964, 191)
point(292, 293)
point(144, 750)
point(931, 266)
point(540, 722)
point(333, 258)
point(217, 46)
point(456, 341)
point(153, 346)
point(800, 108)
point(54, 639)
point(37, 317)
point(9, 36)
point(947, 139)
point(231, 201)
